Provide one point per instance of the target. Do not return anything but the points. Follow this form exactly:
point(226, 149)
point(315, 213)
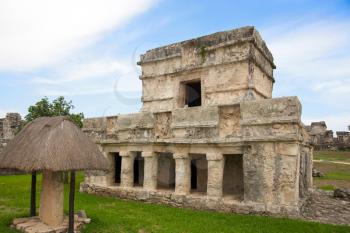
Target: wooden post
point(71, 202)
point(33, 196)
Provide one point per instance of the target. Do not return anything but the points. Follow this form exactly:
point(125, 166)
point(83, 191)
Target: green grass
point(327, 187)
point(336, 175)
point(333, 155)
point(113, 216)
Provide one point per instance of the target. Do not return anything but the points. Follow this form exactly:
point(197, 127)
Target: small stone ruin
point(323, 139)
point(209, 134)
point(8, 127)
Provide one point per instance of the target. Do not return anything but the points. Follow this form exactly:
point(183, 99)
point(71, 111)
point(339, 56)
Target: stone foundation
point(34, 225)
point(319, 206)
point(194, 200)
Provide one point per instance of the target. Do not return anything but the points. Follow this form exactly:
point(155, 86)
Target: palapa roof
point(52, 143)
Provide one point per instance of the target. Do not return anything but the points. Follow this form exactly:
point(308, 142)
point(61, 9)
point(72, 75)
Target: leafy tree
point(58, 107)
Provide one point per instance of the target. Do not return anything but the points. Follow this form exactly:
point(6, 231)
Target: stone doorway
point(138, 169)
point(166, 171)
point(233, 176)
point(117, 167)
point(199, 173)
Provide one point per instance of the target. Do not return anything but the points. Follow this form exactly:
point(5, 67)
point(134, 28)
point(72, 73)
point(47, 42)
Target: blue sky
point(86, 50)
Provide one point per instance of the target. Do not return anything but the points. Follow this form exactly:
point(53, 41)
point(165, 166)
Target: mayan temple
point(209, 134)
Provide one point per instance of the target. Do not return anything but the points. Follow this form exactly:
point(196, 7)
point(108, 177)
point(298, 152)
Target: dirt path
point(327, 161)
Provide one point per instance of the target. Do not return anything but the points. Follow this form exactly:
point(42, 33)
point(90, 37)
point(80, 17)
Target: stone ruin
point(8, 127)
point(209, 134)
point(323, 139)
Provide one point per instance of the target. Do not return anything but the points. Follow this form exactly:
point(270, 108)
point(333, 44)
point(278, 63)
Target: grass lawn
point(336, 175)
point(114, 216)
point(343, 156)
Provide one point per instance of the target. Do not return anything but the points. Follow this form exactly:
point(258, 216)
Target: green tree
point(58, 107)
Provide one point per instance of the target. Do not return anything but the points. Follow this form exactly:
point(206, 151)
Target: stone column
point(309, 168)
point(215, 174)
point(51, 199)
point(127, 171)
point(182, 173)
point(150, 171)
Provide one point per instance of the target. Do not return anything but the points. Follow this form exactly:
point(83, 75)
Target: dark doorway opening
point(193, 174)
point(166, 171)
point(199, 173)
point(138, 169)
point(233, 176)
point(193, 94)
point(117, 168)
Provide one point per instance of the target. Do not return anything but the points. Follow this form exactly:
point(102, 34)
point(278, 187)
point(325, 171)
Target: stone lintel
point(126, 154)
point(181, 156)
point(214, 156)
point(148, 154)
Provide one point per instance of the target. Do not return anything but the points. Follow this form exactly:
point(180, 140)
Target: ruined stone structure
point(343, 140)
point(8, 127)
point(209, 134)
point(323, 139)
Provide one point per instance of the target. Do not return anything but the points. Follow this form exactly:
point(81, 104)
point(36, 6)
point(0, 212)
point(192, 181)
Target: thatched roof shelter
point(52, 145)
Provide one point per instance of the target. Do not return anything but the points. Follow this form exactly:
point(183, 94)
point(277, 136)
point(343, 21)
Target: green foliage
point(111, 215)
point(58, 107)
point(203, 53)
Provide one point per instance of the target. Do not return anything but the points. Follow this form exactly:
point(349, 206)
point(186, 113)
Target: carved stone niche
point(229, 125)
point(162, 124)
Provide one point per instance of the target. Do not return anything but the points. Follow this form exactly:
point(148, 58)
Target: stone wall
point(232, 66)
point(324, 139)
point(276, 156)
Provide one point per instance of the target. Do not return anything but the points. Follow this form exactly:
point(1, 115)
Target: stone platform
point(34, 225)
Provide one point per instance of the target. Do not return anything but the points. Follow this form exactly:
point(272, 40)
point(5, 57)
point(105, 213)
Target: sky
point(86, 50)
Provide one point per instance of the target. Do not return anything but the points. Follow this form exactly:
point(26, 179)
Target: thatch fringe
point(52, 143)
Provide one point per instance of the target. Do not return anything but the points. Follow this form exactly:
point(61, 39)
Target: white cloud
point(84, 71)
point(99, 76)
point(337, 87)
point(39, 32)
point(312, 58)
point(315, 50)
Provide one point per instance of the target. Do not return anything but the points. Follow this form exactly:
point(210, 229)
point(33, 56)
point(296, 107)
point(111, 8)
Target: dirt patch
point(339, 171)
point(335, 183)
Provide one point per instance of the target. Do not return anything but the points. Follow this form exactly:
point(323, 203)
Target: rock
point(342, 193)
point(82, 214)
point(316, 173)
point(142, 231)
point(85, 220)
